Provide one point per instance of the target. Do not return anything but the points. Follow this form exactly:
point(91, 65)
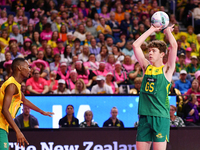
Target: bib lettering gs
point(154, 92)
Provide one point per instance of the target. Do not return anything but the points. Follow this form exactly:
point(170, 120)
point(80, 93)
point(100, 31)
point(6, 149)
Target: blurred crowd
point(85, 46)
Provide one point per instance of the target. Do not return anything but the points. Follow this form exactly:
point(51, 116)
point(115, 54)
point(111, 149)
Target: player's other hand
point(156, 29)
point(47, 113)
point(21, 140)
point(169, 28)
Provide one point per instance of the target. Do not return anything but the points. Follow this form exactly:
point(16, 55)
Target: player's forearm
point(32, 106)
point(171, 39)
point(10, 120)
point(143, 37)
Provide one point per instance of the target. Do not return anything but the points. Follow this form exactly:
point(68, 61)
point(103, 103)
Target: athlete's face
point(114, 113)
point(155, 55)
point(70, 110)
point(25, 70)
point(172, 111)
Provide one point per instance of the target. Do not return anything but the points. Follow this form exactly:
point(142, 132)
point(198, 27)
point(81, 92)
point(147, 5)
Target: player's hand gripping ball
point(159, 19)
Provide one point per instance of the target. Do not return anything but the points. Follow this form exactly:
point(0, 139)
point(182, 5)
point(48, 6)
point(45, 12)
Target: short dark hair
point(158, 44)
point(16, 62)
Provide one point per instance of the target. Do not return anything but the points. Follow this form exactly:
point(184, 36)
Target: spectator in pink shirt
point(26, 49)
point(127, 64)
point(110, 65)
point(36, 84)
point(91, 64)
point(62, 72)
point(60, 48)
point(46, 33)
point(34, 17)
point(188, 55)
point(72, 79)
point(44, 44)
point(111, 83)
point(82, 73)
point(101, 71)
point(119, 75)
point(52, 82)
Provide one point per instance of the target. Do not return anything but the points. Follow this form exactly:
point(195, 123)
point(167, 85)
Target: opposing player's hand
point(169, 28)
point(47, 113)
point(21, 140)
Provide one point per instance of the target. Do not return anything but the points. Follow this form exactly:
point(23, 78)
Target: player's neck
point(18, 78)
point(157, 63)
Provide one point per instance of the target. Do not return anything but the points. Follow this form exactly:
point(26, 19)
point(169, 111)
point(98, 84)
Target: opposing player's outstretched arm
point(11, 90)
point(33, 107)
point(137, 47)
point(171, 63)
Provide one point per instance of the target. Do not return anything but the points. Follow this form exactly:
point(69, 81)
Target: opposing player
point(154, 122)
point(10, 99)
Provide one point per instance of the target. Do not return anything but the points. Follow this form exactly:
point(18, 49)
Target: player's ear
point(19, 67)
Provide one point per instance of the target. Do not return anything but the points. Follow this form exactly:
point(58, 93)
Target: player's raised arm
point(33, 107)
point(137, 47)
point(171, 63)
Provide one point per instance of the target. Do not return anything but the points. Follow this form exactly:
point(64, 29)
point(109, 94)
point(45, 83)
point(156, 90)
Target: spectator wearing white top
point(101, 87)
point(62, 88)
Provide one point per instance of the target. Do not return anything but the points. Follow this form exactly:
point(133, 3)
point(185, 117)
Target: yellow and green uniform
point(4, 25)
point(191, 38)
point(154, 106)
point(14, 107)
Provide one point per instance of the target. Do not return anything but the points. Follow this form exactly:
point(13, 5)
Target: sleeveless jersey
point(154, 92)
point(15, 103)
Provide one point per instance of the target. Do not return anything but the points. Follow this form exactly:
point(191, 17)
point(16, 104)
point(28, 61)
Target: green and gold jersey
point(154, 92)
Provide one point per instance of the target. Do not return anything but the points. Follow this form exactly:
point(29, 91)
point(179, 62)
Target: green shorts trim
point(153, 128)
point(4, 145)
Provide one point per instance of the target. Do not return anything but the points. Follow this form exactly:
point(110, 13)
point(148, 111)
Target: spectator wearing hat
point(193, 66)
point(43, 67)
point(60, 48)
point(56, 64)
point(179, 48)
point(76, 49)
point(103, 28)
point(128, 50)
point(39, 26)
point(80, 88)
point(71, 81)
point(70, 39)
point(56, 26)
point(15, 34)
point(26, 49)
point(101, 87)
point(46, 33)
point(4, 40)
point(8, 69)
point(14, 51)
point(9, 24)
point(44, 44)
point(33, 56)
point(183, 38)
point(119, 75)
point(94, 49)
point(110, 82)
point(91, 64)
point(52, 82)
point(183, 84)
point(84, 56)
point(61, 88)
point(180, 64)
point(52, 17)
point(53, 41)
point(62, 72)
point(188, 55)
point(36, 84)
